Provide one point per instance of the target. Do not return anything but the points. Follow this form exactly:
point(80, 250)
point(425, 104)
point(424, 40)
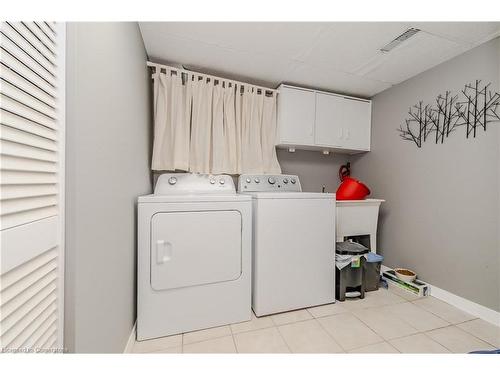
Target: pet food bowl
point(405, 274)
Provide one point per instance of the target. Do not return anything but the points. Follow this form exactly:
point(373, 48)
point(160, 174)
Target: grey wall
point(441, 217)
point(108, 132)
point(313, 168)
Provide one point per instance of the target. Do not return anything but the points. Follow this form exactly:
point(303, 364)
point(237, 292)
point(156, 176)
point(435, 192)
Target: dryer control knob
point(271, 180)
point(248, 180)
point(172, 180)
point(222, 182)
point(212, 181)
point(293, 181)
point(285, 180)
point(257, 180)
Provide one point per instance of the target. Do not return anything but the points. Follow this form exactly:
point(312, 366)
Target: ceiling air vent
point(400, 39)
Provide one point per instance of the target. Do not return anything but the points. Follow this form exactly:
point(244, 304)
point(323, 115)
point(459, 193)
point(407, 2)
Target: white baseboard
point(466, 305)
point(131, 340)
point(463, 304)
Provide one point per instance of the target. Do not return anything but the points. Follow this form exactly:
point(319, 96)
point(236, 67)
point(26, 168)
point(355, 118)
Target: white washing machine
point(293, 244)
point(194, 255)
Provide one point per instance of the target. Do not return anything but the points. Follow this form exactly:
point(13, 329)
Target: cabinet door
point(296, 116)
point(356, 125)
point(330, 119)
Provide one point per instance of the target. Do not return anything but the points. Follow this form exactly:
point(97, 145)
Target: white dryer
point(293, 244)
point(194, 255)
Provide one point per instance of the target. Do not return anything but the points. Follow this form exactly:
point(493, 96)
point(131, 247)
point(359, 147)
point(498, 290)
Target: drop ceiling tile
point(321, 78)
point(254, 68)
point(346, 46)
point(412, 57)
point(286, 40)
point(468, 32)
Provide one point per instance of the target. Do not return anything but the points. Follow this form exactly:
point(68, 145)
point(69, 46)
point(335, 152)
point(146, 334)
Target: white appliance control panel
point(268, 182)
point(194, 183)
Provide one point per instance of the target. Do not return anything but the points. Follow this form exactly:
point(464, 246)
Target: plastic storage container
point(372, 271)
point(349, 275)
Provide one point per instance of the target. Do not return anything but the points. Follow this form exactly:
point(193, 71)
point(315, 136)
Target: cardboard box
point(416, 287)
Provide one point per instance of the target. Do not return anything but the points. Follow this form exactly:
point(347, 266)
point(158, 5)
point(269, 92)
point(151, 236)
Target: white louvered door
point(31, 185)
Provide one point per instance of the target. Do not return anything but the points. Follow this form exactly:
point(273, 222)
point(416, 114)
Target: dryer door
point(195, 248)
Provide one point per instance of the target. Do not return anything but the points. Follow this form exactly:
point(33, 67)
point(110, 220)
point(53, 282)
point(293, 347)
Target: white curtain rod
point(160, 66)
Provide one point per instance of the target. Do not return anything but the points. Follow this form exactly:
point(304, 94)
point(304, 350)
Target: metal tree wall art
point(473, 110)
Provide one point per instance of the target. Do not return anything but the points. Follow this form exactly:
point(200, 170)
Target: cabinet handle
point(341, 133)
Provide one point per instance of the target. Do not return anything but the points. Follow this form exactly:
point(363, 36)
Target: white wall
point(108, 127)
point(442, 213)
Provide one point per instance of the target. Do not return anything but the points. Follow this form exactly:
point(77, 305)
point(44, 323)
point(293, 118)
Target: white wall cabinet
point(310, 119)
point(299, 116)
point(329, 120)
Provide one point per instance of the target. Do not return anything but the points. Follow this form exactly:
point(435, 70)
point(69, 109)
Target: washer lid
point(289, 195)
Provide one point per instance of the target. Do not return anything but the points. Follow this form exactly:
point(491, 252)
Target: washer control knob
point(222, 181)
point(271, 180)
point(172, 180)
point(212, 181)
point(257, 180)
point(248, 180)
point(285, 180)
point(293, 181)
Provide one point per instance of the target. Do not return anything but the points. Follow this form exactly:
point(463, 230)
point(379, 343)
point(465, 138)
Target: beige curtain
point(225, 139)
point(201, 126)
point(251, 147)
point(172, 113)
point(205, 125)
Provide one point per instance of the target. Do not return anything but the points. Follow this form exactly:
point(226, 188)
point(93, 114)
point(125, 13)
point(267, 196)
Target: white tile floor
point(385, 321)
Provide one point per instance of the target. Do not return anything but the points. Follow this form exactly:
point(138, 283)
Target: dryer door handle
point(163, 251)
